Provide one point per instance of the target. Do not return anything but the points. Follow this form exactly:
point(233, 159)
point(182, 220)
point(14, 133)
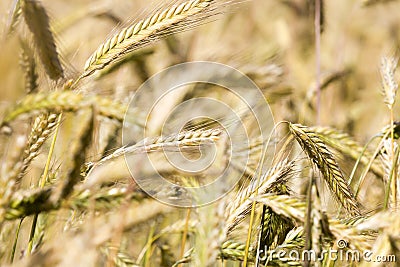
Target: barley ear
point(345, 144)
point(319, 154)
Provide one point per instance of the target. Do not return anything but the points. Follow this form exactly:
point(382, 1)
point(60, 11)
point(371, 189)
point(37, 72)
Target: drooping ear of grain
point(173, 19)
point(345, 144)
point(37, 20)
point(320, 155)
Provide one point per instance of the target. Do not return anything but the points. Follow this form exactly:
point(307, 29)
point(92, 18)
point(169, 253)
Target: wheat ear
point(173, 19)
point(272, 181)
point(343, 143)
point(37, 20)
point(317, 151)
point(173, 141)
point(41, 130)
point(60, 101)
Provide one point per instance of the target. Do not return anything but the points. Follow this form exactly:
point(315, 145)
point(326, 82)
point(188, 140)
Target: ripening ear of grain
point(37, 20)
point(173, 19)
point(317, 151)
point(113, 166)
point(41, 130)
point(343, 143)
point(60, 101)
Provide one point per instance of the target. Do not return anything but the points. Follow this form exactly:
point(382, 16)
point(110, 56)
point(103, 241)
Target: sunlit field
point(199, 133)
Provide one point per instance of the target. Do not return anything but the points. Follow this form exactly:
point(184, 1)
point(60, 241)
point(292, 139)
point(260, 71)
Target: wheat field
point(199, 133)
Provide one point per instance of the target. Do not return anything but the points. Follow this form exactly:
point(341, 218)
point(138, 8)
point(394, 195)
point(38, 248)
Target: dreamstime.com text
point(341, 254)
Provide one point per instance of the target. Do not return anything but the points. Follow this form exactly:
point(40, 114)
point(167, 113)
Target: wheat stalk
point(391, 168)
point(37, 20)
point(170, 20)
point(317, 151)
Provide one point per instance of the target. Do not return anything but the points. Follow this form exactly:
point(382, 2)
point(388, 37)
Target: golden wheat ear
point(345, 144)
point(175, 18)
point(38, 23)
point(65, 101)
point(320, 155)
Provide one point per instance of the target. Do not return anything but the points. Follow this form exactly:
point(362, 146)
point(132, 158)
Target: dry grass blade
point(37, 20)
point(28, 65)
point(272, 181)
point(343, 143)
point(172, 19)
point(61, 101)
point(317, 151)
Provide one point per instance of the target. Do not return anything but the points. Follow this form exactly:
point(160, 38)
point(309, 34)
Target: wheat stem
point(185, 232)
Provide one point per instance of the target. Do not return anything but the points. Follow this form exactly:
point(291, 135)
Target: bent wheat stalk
point(173, 19)
point(317, 151)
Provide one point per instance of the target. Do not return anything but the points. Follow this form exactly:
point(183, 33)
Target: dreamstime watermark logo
point(341, 253)
point(233, 116)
